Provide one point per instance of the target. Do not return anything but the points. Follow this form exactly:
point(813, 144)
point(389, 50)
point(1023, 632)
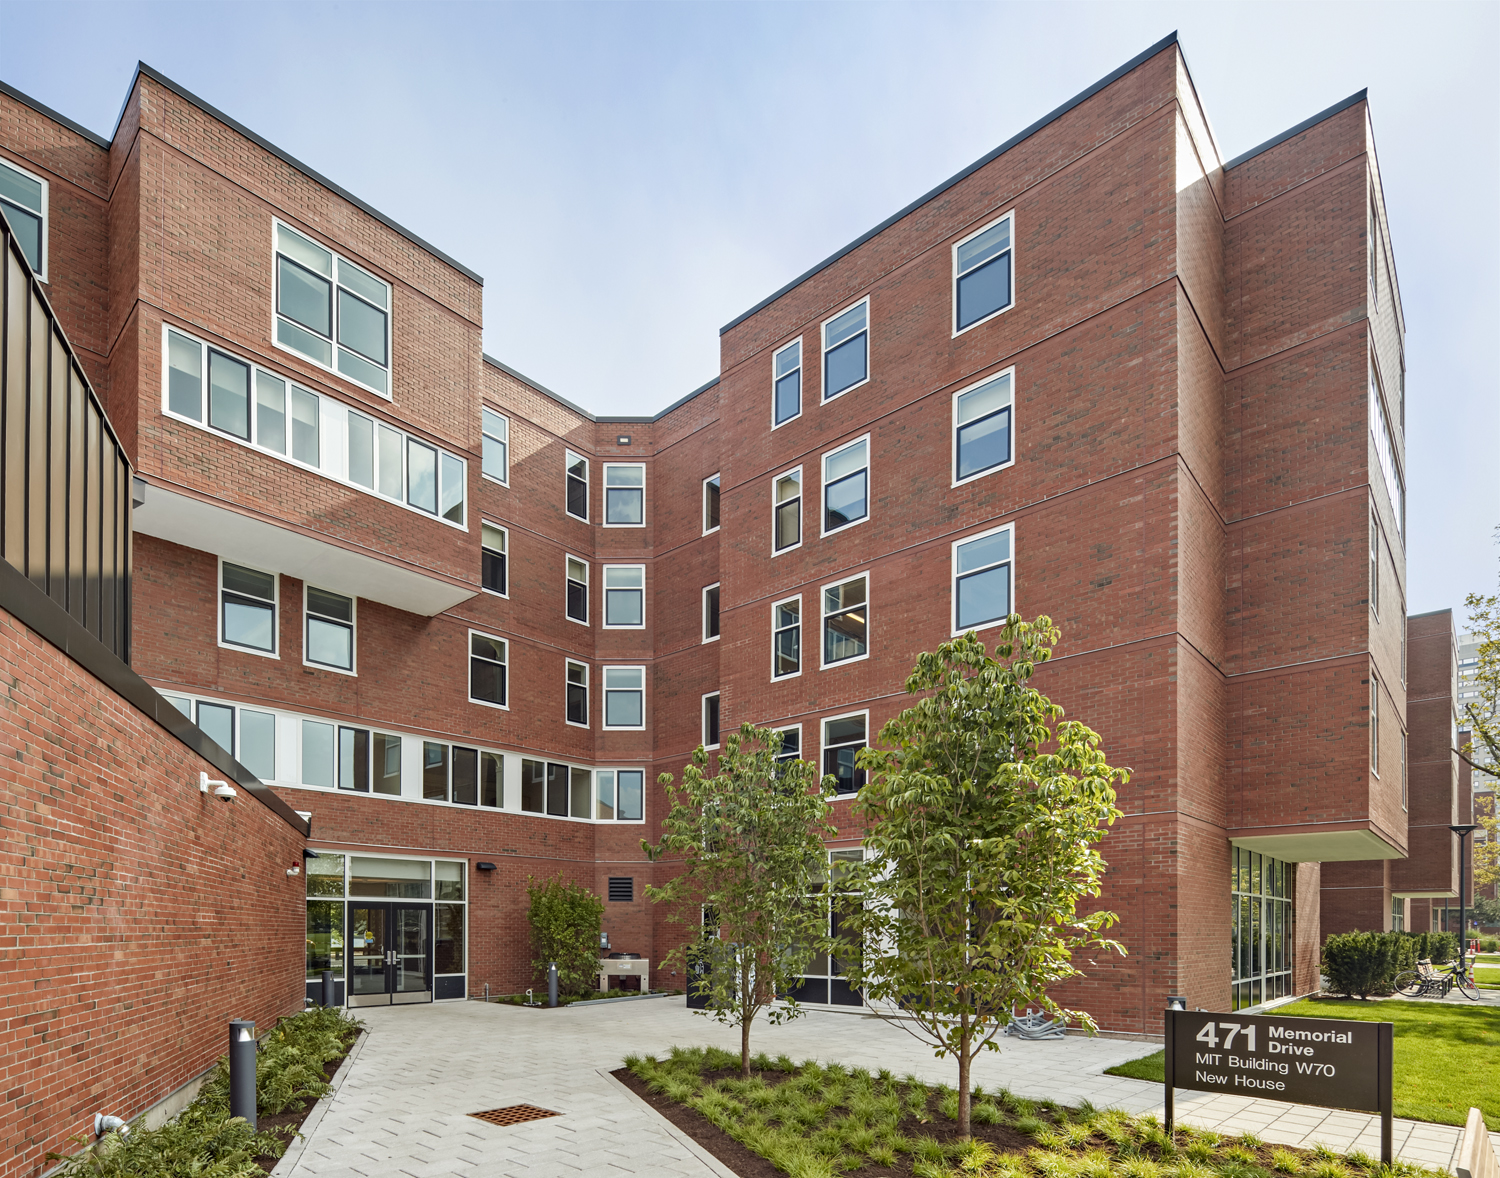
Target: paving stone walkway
point(402, 1106)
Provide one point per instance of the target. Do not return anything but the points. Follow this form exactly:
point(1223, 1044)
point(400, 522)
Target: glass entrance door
point(390, 954)
point(411, 954)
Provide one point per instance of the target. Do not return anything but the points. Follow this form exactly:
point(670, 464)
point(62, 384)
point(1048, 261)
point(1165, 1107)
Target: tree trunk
point(964, 1060)
point(747, 1012)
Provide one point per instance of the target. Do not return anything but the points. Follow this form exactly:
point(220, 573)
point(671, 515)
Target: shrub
point(1361, 964)
point(565, 920)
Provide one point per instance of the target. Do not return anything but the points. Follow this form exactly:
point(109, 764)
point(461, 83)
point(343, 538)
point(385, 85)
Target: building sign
point(1331, 1063)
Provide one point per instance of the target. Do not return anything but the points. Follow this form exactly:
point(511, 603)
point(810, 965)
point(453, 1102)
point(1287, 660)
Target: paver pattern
point(402, 1108)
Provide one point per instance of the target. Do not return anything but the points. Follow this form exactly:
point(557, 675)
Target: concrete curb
point(715, 1166)
point(293, 1156)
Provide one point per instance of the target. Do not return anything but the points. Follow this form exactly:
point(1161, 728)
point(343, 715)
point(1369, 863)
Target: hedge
point(1362, 964)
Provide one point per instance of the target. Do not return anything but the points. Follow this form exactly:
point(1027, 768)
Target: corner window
point(786, 384)
point(982, 580)
point(711, 720)
point(982, 284)
point(577, 469)
point(846, 620)
point(332, 312)
point(577, 693)
point(625, 596)
point(624, 806)
point(711, 614)
point(625, 697)
point(493, 543)
point(711, 504)
point(328, 630)
point(843, 737)
point(23, 196)
point(624, 495)
point(982, 428)
point(846, 485)
point(487, 664)
point(495, 463)
point(786, 638)
point(846, 350)
point(578, 590)
point(247, 608)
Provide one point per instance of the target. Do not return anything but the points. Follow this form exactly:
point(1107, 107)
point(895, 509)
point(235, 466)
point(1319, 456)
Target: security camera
point(225, 792)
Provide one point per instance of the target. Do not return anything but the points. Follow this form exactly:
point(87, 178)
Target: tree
point(983, 806)
point(750, 839)
point(565, 919)
point(1481, 716)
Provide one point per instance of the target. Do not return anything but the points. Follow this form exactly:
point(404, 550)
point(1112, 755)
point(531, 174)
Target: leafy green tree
point(1481, 716)
point(983, 807)
point(565, 919)
point(750, 841)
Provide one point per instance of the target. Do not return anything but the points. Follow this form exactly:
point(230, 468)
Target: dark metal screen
point(65, 482)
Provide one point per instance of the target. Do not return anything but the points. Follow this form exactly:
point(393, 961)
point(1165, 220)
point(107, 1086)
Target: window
point(1385, 450)
point(578, 485)
point(1375, 564)
point(354, 759)
point(1261, 927)
point(487, 658)
point(982, 580)
point(624, 697)
point(247, 608)
point(626, 807)
point(711, 614)
point(1370, 235)
point(495, 463)
point(843, 737)
point(577, 693)
point(578, 590)
point(621, 889)
point(217, 722)
point(1403, 771)
point(624, 495)
point(786, 510)
point(317, 753)
point(492, 547)
point(846, 621)
point(1398, 914)
point(434, 771)
point(846, 485)
point(332, 312)
point(561, 791)
point(624, 596)
point(386, 764)
point(982, 274)
point(791, 743)
point(329, 633)
point(982, 428)
point(23, 197)
point(846, 350)
point(1374, 724)
point(786, 638)
point(711, 504)
point(711, 720)
point(786, 384)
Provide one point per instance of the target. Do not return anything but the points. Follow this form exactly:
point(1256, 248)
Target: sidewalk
point(403, 1107)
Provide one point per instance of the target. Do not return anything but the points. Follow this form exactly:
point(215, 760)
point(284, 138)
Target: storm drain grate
point(515, 1114)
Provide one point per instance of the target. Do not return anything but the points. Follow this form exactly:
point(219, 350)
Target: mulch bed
point(286, 1124)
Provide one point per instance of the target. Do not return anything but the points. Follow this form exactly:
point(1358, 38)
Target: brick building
point(463, 624)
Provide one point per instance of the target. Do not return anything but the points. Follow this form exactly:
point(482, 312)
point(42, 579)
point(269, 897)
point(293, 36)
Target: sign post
point(1331, 1063)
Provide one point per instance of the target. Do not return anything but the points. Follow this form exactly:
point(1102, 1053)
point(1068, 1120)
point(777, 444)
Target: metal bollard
point(328, 991)
point(242, 1070)
point(552, 984)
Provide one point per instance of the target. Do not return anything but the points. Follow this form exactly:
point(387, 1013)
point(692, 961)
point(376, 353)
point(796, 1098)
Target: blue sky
point(629, 177)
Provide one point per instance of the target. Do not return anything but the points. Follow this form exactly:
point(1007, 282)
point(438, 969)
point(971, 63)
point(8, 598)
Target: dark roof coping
point(579, 409)
point(1114, 76)
point(40, 108)
point(1298, 129)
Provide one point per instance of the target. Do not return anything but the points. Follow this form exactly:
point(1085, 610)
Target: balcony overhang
point(1318, 844)
point(214, 527)
point(1450, 894)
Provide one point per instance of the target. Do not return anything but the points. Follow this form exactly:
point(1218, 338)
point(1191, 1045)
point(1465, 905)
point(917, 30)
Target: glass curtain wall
point(1260, 927)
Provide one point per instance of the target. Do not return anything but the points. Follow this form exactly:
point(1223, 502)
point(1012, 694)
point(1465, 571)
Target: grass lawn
point(1447, 1057)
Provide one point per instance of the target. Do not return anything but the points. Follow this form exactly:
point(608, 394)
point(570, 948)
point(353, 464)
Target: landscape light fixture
point(222, 789)
point(622, 439)
point(1176, 1002)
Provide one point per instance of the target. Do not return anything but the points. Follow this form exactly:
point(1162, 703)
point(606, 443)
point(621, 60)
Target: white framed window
point(791, 743)
point(331, 311)
point(577, 477)
point(487, 669)
point(624, 596)
point(711, 720)
point(982, 427)
point(1371, 234)
point(577, 693)
point(846, 486)
point(711, 613)
point(24, 196)
point(577, 603)
point(843, 737)
point(786, 384)
point(619, 795)
point(494, 556)
point(786, 638)
point(495, 461)
point(1374, 565)
point(247, 609)
point(846, 620)
point(983, 274)
point(625, 698)
point(1403, 771)
point(624, 495)
point(1385, 451)
point(982, 579)
point(1374, 724)
point(327, 630)
point(846, 350)
point(786, 512)
point(233, 398)
point(711, 504)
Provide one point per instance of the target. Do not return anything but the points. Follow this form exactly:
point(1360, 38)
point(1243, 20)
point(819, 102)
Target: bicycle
point(1428, 982)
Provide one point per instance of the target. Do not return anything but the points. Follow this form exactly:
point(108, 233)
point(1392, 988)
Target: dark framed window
point(710, 613)
point(786, 638)
point(711, 720)
point(578, 590)
point(846, 350)
point(577, 468)
point(982, 428)
point(624, 596)
point(228, 394)
point(843, 737)
point(846, 485)
point(624, 494)
point(354, 759)
point(786, 384)
point(495, 462)
point(791, 743)
point(24, 199)
point(982, 274)
point(332, 311)
point(492, 549)
point(247, 608)
point(787, 511)
point(711, 504)
point(578, 693)
point(624, 697)
point(846, 620)
point(217, 722)
point(487, 659)
point(982, 580)
point(328, 634)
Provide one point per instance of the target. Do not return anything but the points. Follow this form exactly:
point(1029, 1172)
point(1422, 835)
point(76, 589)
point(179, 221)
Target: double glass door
point(390, 953)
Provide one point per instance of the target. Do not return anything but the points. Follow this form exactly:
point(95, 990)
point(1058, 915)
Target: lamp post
point(1463, 830)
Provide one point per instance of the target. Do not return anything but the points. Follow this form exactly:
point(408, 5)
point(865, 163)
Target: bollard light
point(242, 1070)
point(552, 983)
